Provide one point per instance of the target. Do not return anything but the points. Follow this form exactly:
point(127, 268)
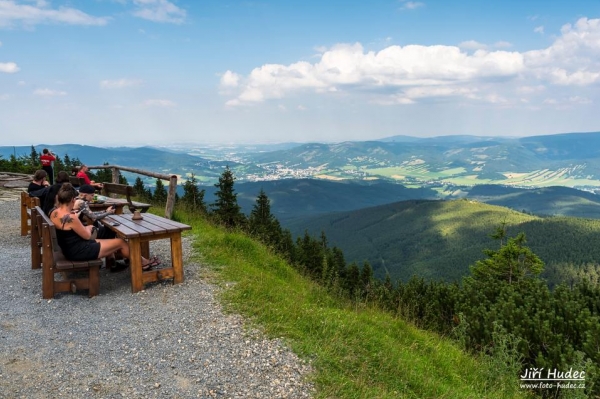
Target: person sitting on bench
point(39, 187)
point(79, 242)
point(86, 179)
point(50, 200)
point(86, 194)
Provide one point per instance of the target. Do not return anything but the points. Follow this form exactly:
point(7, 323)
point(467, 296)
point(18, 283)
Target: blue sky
point(137, 72)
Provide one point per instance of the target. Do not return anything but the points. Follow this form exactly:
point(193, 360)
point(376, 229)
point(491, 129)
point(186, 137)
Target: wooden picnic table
point(139, 233)
point(119, 203)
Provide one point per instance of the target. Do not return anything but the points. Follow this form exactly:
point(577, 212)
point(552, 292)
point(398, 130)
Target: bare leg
point(113, 245)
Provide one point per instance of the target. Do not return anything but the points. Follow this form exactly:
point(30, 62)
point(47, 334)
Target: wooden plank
point(157, 224)
point(151, 276)
point(169, 222)
point(122, 231)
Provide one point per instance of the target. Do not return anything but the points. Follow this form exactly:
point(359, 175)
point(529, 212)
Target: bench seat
point(43, 239)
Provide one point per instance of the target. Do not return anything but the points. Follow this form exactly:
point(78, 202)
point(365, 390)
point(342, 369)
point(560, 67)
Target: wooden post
point(115, 175)
point(24, 216)
point(171, 197)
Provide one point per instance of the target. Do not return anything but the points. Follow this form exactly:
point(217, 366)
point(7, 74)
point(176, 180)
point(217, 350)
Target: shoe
point(152, 262)
point(118, 267)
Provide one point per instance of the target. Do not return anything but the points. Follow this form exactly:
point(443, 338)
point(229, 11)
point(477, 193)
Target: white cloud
point(502, 44)
point(159, 11)
point(0, 44)
point(9, 67)
point(472, 45)
point(11, 13)
point(4, 97)
point(230, 79)
point(530, 89)
point(539, 29)
point(347, 67)
point(49, 93)
point(579, 100)
point(120, 83)
point(404, 75)
point(159, 103)
point(411, 5)
point(573, 58)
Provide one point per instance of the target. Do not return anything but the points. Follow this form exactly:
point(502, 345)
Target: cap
point(86, 189)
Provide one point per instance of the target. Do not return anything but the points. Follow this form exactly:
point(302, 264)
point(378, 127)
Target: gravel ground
point(168, 341)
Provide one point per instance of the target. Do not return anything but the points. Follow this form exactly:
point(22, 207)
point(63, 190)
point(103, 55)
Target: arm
point(83, 206)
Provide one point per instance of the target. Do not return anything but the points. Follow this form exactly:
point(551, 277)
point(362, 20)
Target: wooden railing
point(116, 171)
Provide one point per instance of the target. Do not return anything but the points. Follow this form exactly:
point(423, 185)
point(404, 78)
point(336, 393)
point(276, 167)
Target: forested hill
point(441, 239)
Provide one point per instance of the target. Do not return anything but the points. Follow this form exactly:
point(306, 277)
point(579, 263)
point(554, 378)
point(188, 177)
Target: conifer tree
point(511, 263)
point(160, 193)
point(226, 209)
point(352, 281)
point(140, 190)
point(35, 158)
point(261, 222)
point(193, 197)
point(104, 175)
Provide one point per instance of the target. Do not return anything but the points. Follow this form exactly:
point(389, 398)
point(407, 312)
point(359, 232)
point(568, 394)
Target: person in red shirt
point(82, 173)
point(47, 158)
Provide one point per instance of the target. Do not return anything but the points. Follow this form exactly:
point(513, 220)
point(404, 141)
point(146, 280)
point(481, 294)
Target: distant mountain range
point(570, 160)
point(565, 159)
point(307, 179)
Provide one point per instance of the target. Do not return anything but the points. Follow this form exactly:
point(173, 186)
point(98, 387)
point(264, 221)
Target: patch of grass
point(356, 352)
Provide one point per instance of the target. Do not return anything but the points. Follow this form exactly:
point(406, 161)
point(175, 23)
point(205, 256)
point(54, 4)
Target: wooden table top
point(148, 226)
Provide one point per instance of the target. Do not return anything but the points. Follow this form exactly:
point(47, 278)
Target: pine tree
point(160, 193)
point(193, 197)
point(226, 209)
point(35, 158)
point(104, 175)
point(261, 222)
point(511, 263)
point(140, 189)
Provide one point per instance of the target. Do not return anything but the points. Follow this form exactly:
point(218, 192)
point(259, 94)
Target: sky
point(154, 72)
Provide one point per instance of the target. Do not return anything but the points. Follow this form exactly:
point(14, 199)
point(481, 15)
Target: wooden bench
point(53, 261)
point(27, 204)
point(123, 189)
point(76, 181)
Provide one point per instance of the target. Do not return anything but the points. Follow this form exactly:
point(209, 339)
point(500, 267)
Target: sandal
point(152, 262)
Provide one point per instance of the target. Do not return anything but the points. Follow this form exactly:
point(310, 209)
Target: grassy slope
point(356, 353)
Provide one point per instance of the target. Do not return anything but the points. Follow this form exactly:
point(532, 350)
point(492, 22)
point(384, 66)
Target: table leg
point(145, 245)
point(177, 258)
point(135, 264)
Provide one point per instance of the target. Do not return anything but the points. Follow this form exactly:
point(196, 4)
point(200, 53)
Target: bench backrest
point(49, 235)
point(76, 181)
point(27, 203)
point(119, 189)
point(36, 237)
point(128, 192)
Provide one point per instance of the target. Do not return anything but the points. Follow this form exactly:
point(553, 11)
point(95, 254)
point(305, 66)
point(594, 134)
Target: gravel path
point(168, 341)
